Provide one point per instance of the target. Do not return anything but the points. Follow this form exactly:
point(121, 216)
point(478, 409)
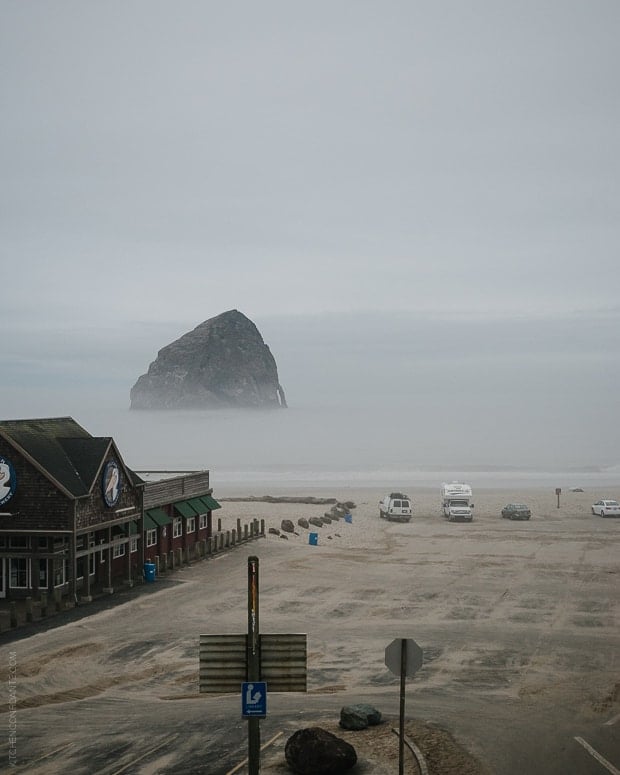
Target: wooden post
point(253, 663)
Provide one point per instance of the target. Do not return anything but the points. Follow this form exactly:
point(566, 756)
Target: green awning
point(210, 502)
point(159, 516)
point(149, 522)
point(198, 505)
point(185, 509)
point(133, 528)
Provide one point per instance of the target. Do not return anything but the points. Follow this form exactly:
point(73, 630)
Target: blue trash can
point(348, 518)
point(313, 539)
point(149, 572)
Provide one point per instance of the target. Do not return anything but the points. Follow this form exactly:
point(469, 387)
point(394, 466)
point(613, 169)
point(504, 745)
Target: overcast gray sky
point(391, 166)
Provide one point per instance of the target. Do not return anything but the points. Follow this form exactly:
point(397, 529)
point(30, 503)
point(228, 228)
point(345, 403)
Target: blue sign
point(254, 699)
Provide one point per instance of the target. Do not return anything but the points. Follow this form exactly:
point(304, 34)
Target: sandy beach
point(518, 622)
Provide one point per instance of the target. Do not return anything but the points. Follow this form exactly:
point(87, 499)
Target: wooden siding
point(37, 503)
point(178, 488)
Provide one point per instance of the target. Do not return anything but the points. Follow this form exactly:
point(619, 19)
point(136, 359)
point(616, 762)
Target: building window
point(118, 550)
point(20, 542)
point(42, 542)
point(59, 571)
point(42, 574)
point(191, 525)
point(202, 521)
point(79, 570)
point(133, 543)
point(177, 527)
point(19, 573)
point(151, 537)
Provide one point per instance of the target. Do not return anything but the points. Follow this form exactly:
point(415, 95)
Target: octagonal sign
point(393, 656)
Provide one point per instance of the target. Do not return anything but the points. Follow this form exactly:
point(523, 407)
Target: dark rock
point(369, 712)
point(287, 525)
point(274, 530)
point(351, 719)
point(316, 521)
point(315, 751)
point(327, 520)
point(223, 362)
point(348, 505)
point(303, 522)
point(283, 536)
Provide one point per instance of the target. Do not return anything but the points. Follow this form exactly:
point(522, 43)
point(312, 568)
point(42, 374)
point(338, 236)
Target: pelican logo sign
point(8, 481)
point(111, 483)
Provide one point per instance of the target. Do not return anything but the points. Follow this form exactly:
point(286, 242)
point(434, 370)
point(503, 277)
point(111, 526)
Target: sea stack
point(222, 363)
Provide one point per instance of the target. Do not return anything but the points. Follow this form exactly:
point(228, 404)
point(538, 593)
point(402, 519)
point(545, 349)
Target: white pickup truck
point(456, 501)
point(396, 507)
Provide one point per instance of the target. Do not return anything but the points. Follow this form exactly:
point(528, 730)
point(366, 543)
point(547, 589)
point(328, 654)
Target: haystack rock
point(223, 362)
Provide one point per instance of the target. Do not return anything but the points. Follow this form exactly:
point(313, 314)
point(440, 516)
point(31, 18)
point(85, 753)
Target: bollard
point(245, 532)
point(227, 538)
point(13, 613)
point(233, 537)
point(239, 528)
point(219, 525)
point(262, 527)
point(43, 596)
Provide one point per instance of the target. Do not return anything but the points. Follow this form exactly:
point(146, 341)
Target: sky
point(416, 202)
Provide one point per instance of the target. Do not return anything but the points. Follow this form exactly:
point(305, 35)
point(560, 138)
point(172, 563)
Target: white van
point(396, 506)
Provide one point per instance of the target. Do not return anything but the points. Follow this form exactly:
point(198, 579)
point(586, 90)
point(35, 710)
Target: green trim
point(159, 516)
point(149, 523)
point(185, 509)
point(210, 502)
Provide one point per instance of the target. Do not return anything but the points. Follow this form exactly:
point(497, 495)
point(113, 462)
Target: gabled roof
point(62, 450)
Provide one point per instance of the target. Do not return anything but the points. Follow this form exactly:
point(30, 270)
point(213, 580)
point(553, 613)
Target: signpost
point(403, 657)
point(252, 661)
point(558, 491)
point(253, 664)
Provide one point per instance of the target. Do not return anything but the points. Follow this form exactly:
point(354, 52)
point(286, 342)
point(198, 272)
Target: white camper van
point(396, 507)
point(456, 501)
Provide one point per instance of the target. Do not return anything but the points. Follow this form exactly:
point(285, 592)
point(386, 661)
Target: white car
point(606, 508)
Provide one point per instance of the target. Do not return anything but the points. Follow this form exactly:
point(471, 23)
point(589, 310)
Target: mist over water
point(372, 398)
point(344, 446)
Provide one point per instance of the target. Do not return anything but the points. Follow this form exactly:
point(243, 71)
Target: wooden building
point(74, 518)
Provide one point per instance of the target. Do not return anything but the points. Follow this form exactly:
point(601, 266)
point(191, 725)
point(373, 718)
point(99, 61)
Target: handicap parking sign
point(254, 699)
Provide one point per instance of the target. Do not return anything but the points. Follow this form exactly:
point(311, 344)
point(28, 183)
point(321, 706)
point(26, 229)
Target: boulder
point(315, 751)
point(316, 521)
point(351, 719)
point(274, 531)
point(287, 525)
point(359, 716)
point(222, 363)
point(303, 522)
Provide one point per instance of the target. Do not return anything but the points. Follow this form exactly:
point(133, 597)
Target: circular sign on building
point(8, 481)
point(111, 483)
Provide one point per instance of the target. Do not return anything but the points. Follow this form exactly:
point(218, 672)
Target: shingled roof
point(63, 450)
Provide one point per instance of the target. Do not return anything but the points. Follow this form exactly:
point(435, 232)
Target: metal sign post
point(558, 492)
point(403, 656)
point(253, 663)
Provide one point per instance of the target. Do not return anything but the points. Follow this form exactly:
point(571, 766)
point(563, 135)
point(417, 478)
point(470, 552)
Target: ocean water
point(317, 447)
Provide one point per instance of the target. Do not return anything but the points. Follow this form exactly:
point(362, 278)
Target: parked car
point(516, 511)
point(606, 508)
